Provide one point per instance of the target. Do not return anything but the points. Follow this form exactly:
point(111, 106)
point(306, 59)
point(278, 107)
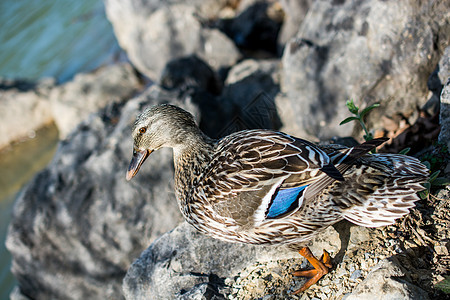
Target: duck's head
point(159, 126)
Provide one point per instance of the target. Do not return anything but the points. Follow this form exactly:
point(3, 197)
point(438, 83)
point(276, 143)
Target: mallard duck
point(267, 187)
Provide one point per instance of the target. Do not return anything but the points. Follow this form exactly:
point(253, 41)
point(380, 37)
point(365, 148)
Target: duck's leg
point(320, 268)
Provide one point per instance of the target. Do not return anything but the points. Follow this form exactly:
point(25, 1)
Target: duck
point(265, 187)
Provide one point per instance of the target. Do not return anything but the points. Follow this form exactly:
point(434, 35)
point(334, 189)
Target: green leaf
point(444, 285)
point(427, 164)
point(367, 109)
point(352, 107)
point(423, 194)
point(434, 176)
point(349, 119)
point(368, 137)
point(441, 181)
point(405, 151)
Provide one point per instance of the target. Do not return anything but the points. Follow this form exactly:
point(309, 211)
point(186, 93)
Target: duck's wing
point(258, 174)
point(379, 188)
point(342, 161)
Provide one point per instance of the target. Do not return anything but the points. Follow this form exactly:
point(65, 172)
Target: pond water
point(20, 163)
point(55, 38)
point(46, 38)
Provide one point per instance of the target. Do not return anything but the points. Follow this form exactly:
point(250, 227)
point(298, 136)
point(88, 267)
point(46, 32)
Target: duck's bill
point(136, 162)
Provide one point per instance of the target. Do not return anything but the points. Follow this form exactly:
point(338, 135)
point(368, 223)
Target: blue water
point(44, 38)
point(56, 38)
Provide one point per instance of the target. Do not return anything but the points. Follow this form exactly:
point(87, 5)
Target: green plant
point(434, 161)
point(431, 160)
point(437, 157)
point(433, 182)
point(358, 116)
point(430, 183)
point(405, 151)
point(444, 285)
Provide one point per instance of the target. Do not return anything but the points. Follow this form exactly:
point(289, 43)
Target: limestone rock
point(244, 101)
point(190, 72)
point(73, 101)
point(386, 281)
point(24, 108)
point(195, 264)
point(444, 135)
point(155, 33)
point(78, 225)
point(371, 51)
point(444, 78)
point(255, 27)
point(27, 106)
point(248, 96)
point(444, 66)
point(295, 12)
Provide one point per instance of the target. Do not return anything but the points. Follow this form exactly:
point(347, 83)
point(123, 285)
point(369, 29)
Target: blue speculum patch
point(285, 201)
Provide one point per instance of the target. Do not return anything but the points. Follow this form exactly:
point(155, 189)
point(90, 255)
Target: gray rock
point(184, 263)
point(295, 12)
point(358, 235)
point(190, 72)
point(156, 32)
point(78, 225)
point(27, 106)
point(248, 96)
point(17, 295)
point(444, 78)
point(444, 66)
point(387, 281)
point(365, 50)
point(444, 120)
point(255, 27)
point(24, 108)
point(73, 101)
point(246, 101)
point(436, 82)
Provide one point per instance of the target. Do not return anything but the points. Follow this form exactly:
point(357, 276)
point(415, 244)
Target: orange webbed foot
point(320, 268)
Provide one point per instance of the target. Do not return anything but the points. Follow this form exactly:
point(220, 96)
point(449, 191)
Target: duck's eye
point(142, 130)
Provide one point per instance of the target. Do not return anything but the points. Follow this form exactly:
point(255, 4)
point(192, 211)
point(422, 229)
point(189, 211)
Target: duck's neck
point(194, 147)
point(190, 159)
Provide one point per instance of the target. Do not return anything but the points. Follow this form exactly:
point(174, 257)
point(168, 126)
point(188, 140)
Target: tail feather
point(342, 162)
point(384, 206)
point(356, 152)
point(404, 178)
